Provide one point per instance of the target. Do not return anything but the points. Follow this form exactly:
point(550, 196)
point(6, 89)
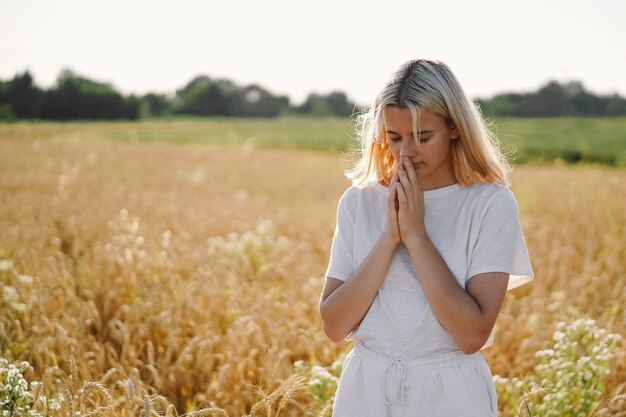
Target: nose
point(409, 148)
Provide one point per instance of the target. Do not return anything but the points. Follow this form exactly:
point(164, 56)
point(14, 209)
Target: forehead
point(400, 118)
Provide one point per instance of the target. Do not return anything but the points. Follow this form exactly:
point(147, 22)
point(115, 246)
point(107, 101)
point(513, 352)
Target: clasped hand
point(405, 204)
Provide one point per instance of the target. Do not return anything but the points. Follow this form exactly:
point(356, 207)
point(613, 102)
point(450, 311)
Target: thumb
point(392, 198)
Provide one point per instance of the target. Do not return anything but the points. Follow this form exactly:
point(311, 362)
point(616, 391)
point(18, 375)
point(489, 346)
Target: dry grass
point(139, 290)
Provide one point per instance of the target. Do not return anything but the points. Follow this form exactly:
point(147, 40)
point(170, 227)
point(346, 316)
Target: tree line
point(554, 99)
point(74, 97)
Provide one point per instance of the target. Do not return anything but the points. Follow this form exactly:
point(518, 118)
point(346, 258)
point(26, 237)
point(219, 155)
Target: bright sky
point(295, 47)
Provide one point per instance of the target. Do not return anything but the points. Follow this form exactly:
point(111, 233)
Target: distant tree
point(75, 97)
point(315, 105)
point(157, 104)
point(6, 113)
point(22, 96)
point(255, 101)
point(554, 99)
point(504, 105)
point(615, 106)
point(339, 104)
point(6, 110)
point(336, 103)
point(587, 104)
point(550, 100)
point(198, 81)
point(205, 97)
point(132, 107)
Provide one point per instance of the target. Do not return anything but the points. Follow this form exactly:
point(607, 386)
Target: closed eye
point(399, 139)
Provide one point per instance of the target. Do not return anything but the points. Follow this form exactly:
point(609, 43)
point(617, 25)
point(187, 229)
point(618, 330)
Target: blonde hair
point(429, 84)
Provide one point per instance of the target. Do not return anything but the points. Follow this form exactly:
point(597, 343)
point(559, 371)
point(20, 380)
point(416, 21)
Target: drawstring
point(399, 366)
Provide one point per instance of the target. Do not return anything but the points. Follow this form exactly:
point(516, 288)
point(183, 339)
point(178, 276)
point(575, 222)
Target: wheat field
point(162, 279)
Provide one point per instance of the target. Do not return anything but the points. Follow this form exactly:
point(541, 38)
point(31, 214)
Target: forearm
point(344, 309)
point(465, 322)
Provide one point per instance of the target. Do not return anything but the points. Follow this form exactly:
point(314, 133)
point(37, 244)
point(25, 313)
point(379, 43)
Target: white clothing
point(448, 385)
point(403, 362)
point(475, 229)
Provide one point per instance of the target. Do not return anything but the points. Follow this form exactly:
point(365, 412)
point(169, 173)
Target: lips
point(417, 164)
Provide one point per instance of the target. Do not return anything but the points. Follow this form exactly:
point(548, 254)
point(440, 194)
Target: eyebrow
point(419, 133)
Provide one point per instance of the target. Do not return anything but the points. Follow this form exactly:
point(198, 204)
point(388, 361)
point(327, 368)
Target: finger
point(392, 201)
point(408, 165)
point(404, 180)
point(392, 191)
point(395, 196)
point(402, 200)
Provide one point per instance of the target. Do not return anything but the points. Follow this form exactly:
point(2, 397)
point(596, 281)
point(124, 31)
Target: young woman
point(427, 243)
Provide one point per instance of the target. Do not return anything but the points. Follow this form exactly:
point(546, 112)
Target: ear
point(454, 132)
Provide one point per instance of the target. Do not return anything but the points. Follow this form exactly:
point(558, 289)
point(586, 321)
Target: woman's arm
point(467, 315)
point(344, 304)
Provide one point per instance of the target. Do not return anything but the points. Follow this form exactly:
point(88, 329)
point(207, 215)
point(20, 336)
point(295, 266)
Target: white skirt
point(448, 385)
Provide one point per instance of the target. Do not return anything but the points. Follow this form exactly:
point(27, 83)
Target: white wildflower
point(5, 265)
point(10, 294)
point(25, 280)
point(165, 239)
point(320, 372)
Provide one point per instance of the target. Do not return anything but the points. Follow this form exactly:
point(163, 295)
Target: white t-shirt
point(475, 229)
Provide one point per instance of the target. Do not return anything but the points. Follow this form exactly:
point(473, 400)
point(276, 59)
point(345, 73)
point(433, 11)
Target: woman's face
point(431, 159)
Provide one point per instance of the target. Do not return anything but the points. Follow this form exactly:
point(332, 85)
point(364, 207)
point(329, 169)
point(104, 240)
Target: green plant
point(569, 378)
point(321, 383)
point(17, 398)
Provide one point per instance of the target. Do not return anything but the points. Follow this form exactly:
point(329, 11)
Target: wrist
point(390, 239)
point(416, 241)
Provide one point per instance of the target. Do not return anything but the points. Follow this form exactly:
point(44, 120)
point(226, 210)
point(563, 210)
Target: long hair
point(428, 84)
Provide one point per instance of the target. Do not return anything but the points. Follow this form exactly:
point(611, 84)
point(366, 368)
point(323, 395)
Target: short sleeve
point(500, 245)
point(341, 265)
